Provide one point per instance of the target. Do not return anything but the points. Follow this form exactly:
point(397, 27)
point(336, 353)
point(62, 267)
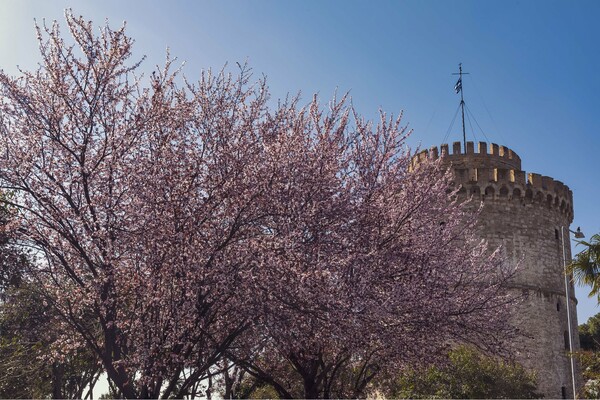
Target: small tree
point(589, 356)
point(586, 266)
point(467, 375)
point(12, 258)
point(27, 331)
point(589, 334)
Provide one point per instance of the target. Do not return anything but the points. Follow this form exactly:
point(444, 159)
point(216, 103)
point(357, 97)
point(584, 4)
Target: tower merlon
point(444, 150)
point(534, 180)
point(456, 148)
point(548, 183)
point(433, 152)
point(520, 178)
point(494, 149)
point(470, 148)
point(482, 148)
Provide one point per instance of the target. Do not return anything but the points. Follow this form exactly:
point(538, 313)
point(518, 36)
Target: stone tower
point(526, 215)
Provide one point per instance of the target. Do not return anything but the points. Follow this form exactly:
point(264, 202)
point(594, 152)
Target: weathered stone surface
point(527, 218)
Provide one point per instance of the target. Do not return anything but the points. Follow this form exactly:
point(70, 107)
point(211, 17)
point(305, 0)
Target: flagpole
point(462, 106)
point(458, 88)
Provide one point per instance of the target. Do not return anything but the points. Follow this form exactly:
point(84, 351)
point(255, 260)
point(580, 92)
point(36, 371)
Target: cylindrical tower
point(529, 216)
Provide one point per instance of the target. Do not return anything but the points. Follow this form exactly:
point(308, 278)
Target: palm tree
point(586, 265)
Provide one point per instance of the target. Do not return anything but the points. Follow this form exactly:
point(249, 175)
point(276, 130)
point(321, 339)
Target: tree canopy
point(176, 224)
point(468, 374)
point(589, 356)
point(586, 265)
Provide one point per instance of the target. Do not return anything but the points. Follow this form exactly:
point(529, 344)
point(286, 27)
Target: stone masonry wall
point(530, 235)
point(524, 214)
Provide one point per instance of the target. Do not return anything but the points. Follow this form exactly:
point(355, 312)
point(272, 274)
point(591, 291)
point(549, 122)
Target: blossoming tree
point(175, 223)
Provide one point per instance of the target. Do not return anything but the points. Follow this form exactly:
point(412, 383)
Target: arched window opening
point(539, 197)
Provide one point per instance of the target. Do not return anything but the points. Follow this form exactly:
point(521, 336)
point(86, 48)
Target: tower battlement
point(495, 173)
point(485, 156)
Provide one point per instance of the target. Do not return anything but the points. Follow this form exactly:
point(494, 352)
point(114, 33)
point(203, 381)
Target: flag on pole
point(458, 86)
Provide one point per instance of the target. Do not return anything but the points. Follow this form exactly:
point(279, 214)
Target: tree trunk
point(311, 389)
point(58, 371)
point(209, 389)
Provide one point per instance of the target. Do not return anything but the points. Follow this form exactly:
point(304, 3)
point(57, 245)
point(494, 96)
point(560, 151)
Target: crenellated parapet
point(495, 173)
point(492, 156)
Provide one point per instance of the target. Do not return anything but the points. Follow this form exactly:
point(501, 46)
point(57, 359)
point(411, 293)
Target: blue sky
point(534, 66)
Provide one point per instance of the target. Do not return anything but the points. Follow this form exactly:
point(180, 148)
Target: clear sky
point(534, 66)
